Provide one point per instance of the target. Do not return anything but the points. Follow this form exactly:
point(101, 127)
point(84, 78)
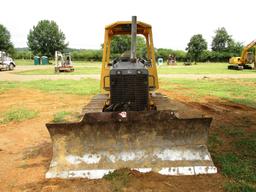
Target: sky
point(173, 22)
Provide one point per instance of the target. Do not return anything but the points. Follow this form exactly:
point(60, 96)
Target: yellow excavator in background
point(129, 124)
point(245, 60)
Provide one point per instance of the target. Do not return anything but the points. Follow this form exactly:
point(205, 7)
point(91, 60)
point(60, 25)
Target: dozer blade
point(161, 141)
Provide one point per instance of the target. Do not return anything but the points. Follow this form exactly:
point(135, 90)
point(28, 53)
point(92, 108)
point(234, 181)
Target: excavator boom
point(239, 63)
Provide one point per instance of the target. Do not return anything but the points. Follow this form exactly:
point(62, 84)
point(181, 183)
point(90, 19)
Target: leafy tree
point(235, 48)
point(222, 40)
point(223, 46)
point(122, 43)
point(180, 55)
point(87, 55)
point(164, 53)
point(45, 38)
point(196, 46)
point(141, 48)
point(5, 40)
point(22, 54)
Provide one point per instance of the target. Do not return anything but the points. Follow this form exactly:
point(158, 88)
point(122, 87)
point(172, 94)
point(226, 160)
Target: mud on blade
point(146, 141)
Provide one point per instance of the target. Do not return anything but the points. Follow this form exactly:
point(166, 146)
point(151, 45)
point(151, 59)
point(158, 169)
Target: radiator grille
point(131, 90)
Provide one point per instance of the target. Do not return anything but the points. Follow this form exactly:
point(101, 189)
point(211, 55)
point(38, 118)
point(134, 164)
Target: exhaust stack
point(133, 39)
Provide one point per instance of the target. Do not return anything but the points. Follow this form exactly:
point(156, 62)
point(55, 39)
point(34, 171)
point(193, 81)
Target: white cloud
point(173, 21)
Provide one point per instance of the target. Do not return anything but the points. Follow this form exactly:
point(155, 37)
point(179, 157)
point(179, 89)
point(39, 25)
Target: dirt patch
point(156, 182)
point(227, 117)
point(43, 149)
point(56, 185)
point(210, 104)
point(25, 147)
point(138, 182)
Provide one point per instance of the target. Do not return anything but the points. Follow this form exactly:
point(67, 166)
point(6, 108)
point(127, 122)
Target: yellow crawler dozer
point(129, 124)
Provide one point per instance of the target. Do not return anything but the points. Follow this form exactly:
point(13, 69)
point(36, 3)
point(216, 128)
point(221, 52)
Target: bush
point(23, 55)
point(96, 54)
point(87, 55)
point(164, 53)
point(180, 55)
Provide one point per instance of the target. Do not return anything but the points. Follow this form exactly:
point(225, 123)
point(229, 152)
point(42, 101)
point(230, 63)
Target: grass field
point(232, 146)
point(31, 62)
point(237, 163)
point(241, 91)
point(78, 71)
point(24, 62)
point(82, 67)
point(200, 68)
point(82, 87)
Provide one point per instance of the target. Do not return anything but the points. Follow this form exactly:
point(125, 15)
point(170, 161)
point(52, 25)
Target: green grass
point(233, 132)
point(119, 179)
point(246, 146)
point(17, 115)
point(5, 85)
point(81, 87)
point(201, 68)
point(238, 159)
point(238, 187)
point(76, 63)
point(27, 61)
point(66, 116)
point(236, 167)
point(24, 62)
point(87, 63)
point(214, 141)
point(241, 171)
point(83, 67)
point(60, 116)
point(237, 91)
point(237, 162)
point(50, 71)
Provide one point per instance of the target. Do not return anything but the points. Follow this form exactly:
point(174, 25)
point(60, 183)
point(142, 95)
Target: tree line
point(223, 47)
point(46, 37)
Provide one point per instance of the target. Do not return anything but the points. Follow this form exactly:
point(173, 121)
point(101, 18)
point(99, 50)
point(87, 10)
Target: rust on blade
point(168, 141)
